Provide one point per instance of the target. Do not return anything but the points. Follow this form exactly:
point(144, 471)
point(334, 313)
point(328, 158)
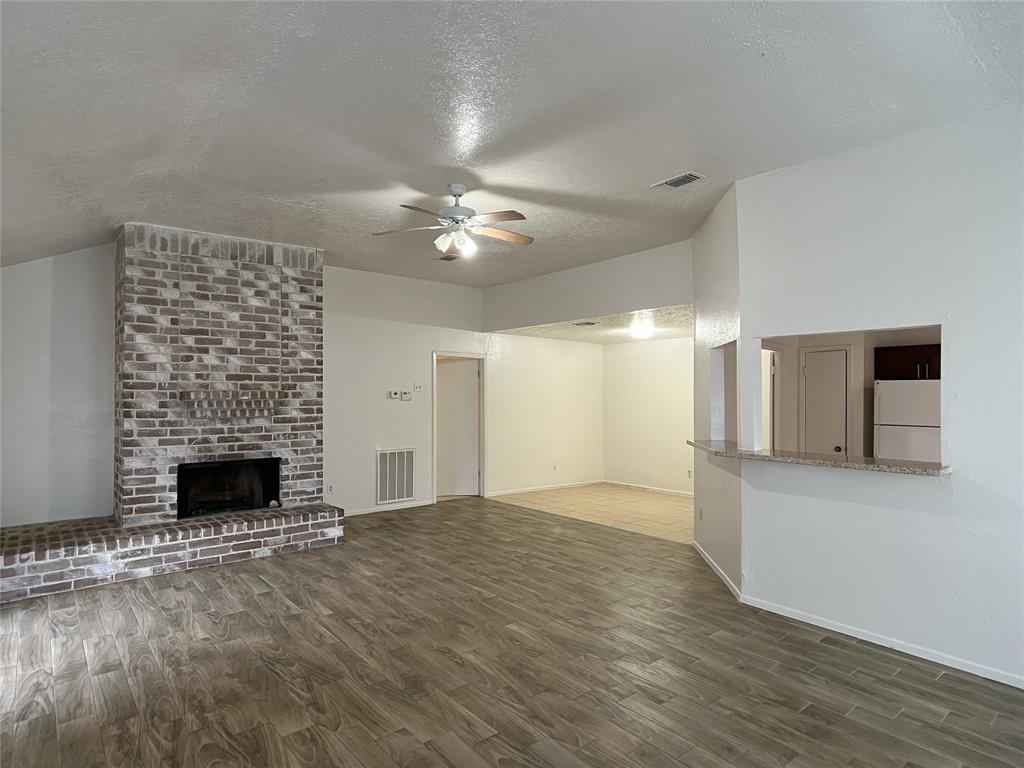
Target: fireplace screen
point(221, 486)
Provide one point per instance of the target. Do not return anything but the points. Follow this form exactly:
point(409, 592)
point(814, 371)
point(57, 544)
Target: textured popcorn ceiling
point(309, 123)
point(667, 323)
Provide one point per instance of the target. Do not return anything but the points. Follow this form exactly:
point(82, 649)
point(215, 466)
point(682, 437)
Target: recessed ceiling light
point(642, 326)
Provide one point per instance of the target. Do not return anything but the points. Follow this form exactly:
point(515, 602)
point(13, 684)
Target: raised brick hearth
point(218, 356)
point(57, 557)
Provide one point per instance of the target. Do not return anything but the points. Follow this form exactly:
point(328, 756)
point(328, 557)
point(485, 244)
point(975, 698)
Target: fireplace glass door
point(223, 486)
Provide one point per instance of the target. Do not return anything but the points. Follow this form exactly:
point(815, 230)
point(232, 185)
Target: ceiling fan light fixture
point(444, 242)
point(459, 221)
point(464, 243)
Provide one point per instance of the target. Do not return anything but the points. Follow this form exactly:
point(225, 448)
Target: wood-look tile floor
point(468, 634)
point(652, 513)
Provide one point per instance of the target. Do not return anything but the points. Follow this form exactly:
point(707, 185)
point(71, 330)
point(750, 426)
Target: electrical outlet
point(406, 395)
point(393, 394)
point(330, 489)
point(417, 387)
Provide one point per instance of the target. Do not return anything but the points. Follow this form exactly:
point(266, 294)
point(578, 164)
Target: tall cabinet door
point(824, 401)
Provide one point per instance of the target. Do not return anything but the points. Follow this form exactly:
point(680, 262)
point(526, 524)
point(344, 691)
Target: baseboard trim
point(999, 675)
point(964, 665)
point(427, 502)
point(496, 494)
point(389, 507)
point(649, 488)
point(718, 571)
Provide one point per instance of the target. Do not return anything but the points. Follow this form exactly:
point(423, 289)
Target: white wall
point(406, 300)
point(458, 427)
point(648, 414)
point(542, 398)
point(364, 358)
point(57, 442)
point(544, 413)
point(659, 277)
point(931, 565)
point(716, 480)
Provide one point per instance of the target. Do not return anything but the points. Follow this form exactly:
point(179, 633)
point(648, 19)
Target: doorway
point(458, 455)
point(769, 399)
point(823, 400)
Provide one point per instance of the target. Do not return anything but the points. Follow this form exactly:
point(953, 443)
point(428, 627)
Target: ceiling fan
point(458, 222)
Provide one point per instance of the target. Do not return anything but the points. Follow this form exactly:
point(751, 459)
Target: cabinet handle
point(926, 371)
point(917, 367)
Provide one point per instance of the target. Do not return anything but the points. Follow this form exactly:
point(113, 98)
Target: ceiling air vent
point(679, 181)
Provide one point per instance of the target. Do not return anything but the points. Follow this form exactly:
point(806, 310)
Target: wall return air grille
point(394, 475)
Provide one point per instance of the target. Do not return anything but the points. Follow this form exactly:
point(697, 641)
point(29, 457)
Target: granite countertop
point(729, 449)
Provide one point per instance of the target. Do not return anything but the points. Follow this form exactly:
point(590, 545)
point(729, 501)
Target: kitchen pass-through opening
point(874, 393)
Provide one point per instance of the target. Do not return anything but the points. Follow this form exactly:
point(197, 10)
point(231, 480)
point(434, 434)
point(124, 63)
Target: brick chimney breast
point(218, 355)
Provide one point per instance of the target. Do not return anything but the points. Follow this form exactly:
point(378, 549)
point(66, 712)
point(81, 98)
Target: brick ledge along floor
point(43, 558)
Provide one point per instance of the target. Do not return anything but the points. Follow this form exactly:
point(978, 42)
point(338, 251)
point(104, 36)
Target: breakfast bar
point(729, 449)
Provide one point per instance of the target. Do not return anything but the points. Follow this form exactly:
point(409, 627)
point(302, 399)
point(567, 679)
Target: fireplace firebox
point(205, 488)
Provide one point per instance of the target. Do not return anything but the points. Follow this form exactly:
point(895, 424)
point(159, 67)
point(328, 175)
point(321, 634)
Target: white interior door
point(824, 401)
point(458, 427)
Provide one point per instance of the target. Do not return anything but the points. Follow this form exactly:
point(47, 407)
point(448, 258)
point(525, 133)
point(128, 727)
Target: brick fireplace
point(218, 358)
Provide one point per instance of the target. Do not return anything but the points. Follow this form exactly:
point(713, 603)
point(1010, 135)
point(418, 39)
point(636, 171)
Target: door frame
point(774, 399)
point(481, 359)
point(848, 349)
point(785, 394)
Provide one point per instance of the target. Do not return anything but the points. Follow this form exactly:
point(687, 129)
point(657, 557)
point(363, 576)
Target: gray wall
point(57, 337)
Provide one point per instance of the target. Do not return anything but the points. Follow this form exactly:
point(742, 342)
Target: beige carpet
point(664, 515)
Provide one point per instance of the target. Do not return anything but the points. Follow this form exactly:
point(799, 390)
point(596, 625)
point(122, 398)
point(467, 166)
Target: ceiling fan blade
point(421, 210)
point(489, 218)
point(409, 229)
point(501, 234)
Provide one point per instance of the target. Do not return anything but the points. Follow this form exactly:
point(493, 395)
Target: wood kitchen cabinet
point(919, 361)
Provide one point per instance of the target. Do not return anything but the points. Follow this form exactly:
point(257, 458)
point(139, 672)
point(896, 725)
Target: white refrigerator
point(907, 420)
